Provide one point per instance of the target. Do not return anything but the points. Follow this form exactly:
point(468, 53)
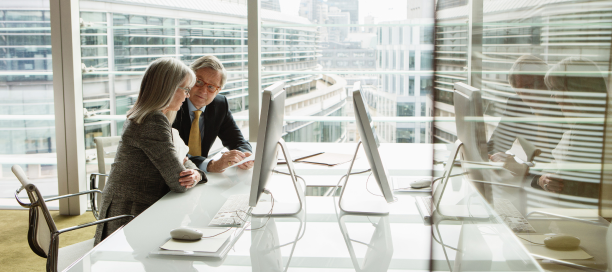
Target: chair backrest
point(41, 225)
point(106, 148)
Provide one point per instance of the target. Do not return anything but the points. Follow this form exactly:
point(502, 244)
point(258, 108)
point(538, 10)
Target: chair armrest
point(94, 223)
point(92, 180)
point(71, 195)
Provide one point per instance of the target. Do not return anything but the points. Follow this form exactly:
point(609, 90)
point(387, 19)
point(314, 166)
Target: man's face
point(525, 86)
point(207, 80)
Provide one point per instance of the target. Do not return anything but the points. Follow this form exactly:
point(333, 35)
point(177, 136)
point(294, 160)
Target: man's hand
point(498, 157)
point(227, 159)
point(550, 183)
point(189, 178)
point(247, 165)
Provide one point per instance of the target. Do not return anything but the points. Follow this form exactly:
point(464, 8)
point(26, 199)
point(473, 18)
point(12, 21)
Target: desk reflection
point(380, 248)
point(265, 245)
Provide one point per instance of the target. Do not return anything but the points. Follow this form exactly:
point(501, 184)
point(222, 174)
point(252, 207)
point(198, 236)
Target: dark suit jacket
point(218, 121)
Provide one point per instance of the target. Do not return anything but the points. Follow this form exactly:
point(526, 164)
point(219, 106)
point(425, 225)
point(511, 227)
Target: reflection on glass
point(379, 250)
point(266, 247)
point(542, 70)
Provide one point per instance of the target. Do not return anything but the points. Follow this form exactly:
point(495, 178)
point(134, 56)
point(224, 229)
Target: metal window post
point(475, 30)
point(110, 42)
point(68, 99)
point(254, 70)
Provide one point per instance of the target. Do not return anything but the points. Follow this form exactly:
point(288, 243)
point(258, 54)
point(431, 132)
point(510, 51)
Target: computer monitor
point(471, 132)
point(370, 144)
point(470, 122)
point(268, 140)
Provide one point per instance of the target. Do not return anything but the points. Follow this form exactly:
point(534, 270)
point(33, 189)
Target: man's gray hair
point(159, 83)
point(213, 63)
point(528, 66)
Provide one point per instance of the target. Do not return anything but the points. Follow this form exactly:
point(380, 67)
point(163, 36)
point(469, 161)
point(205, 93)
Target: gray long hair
point(160, 81)
point(213, 63)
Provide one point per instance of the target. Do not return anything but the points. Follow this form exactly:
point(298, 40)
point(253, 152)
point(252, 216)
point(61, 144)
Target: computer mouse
point(186, 233)
point(421, 183)
point(562, 242)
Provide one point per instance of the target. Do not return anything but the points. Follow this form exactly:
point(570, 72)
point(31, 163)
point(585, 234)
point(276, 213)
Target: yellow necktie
point(195, 142)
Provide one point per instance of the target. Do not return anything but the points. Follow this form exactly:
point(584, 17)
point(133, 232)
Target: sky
point(382, 10)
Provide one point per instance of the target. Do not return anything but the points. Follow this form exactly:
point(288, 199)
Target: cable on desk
point(228, 229)
point(368, 181)
point(343, 176)
point(269, 213)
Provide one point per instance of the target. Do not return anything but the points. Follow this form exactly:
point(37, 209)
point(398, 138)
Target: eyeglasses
point(187, 90)
point(209, 87)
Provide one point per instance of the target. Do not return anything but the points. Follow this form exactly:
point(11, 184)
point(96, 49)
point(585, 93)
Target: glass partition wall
point(541, 73)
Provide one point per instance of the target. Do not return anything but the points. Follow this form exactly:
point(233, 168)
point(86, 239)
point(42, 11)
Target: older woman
point(580, 90)
point(146, 165)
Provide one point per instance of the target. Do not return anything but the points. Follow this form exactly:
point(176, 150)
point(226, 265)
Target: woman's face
point(181, 93)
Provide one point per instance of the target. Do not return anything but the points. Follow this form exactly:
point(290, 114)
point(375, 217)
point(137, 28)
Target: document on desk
point(212, 244)
point(329, 159)
point(542, 250)
point(247, 159)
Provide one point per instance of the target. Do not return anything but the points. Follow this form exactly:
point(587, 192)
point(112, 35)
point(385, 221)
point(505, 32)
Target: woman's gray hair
point(158, 86)
point(213, 63)
point(578, 80)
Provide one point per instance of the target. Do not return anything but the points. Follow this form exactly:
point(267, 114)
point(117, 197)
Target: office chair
point(43, 235)
point(106, 148)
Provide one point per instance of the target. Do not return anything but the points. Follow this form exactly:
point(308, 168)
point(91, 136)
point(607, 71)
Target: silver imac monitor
point(470, 122)
point(370, 144)
point(268, 141)
point(471, 132)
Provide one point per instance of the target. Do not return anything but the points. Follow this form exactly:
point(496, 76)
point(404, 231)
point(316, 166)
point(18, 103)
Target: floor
point(15, 253)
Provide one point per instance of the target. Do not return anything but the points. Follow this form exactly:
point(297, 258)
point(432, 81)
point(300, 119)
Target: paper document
point(212, 244)
point(329, 159)
point(297, 154)
point(247, 159)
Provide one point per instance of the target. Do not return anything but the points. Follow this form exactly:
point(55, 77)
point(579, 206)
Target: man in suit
point(205, 115)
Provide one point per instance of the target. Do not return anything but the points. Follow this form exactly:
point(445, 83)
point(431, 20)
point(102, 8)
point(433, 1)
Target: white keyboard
point(512, 217)
point(227, 215)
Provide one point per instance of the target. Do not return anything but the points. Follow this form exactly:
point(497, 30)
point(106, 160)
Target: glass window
point(426, 85)
point(405, 135)
point(28, 130)
point(405, 109)
point(423, 109)
point(423, 136)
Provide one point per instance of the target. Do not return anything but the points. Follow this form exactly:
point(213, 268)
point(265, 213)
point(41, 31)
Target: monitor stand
point(358, 206)
point(283, 208)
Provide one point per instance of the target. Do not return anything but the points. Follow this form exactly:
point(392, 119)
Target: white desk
point(398, 242)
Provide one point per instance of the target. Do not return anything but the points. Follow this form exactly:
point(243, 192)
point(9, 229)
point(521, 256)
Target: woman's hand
point(550, 183)
point(189, 178)
point(247, 165)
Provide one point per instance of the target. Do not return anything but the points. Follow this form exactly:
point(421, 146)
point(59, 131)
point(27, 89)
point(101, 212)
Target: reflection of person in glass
point(532, 99)
point(580, 90)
